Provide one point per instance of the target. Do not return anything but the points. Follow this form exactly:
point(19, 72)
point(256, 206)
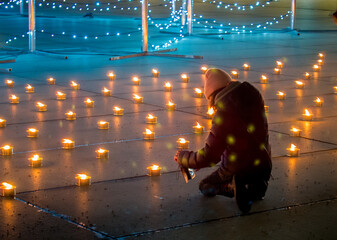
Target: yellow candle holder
point(168, 87)
point(89, 103)
point(204, 69)
point(35, 161)
point(9, 83)
point(277, 71)
point(7, 190)
point(182, 143)
point(316, 68)
point(103, 125)
point(2, 123)
point(60, 96)
point(74, 85)
point(185, 78)
point(106, 92)
point(307, 116)
point(51, 81)
point(171, 106)
point(264, 79)
point(111, 76)
point(198, 129)
point(148, 135)
point(155, 73)
point(318, 102)
point(235, 74)
point(293, 151)
point(32, 133)
point(320, 62)
point(136, 81)
point(137, 98)
point(266, 108)
point(70, 116)
point(41, 107)
point(279, 64)
point(210, 113)
point(102, 153)
point(30, 89)
point(153, 170)
point(281, 95)
point(150, 119)
point(13, 99)
point(68, 144)
point(118, 111)
point(299, 84)
point(198, 93)
point(295, 132)
point(307, 75)
point(83, 180)
point(7, 150)
point(246, 67)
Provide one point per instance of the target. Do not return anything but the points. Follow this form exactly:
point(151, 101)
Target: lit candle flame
point(183, 75)
point(316, 66)
point(307, 74)
point(35, 158)
point(111, 74)
point(9, 81)
point(318, 100)
point(168, 84)
point(245, 65)
point(154, 167)
point(33, 130)
point(117, 108)
point(148, 131)
point(50, 79)
point(234, 72)
point(277, 69)
point(182, 140)
point(295, 129)
point(60, 93)
point(2, 120)
point(306, 112)
point(321, 55)
point(14, 97)
point(264, 77)
point(6, 147)
point(67, 141)
point(29, 86)
point(279, 63)
point(210, 111)
point(198, 125)
point(320, 61)
point(292, 147)
point(135, 96)
point(170, 103)
point(40, 104)
point(74, 84)
point(154, 70)
point(102, 122)
point(204, 68)
point(88, 100)
point(299, 83)
point(150, 116)
point(101, 150)
point(7, 185)
point(197, 90)
point(82, 176)
point(280, 93)
point(106, 90)
point(135, 79)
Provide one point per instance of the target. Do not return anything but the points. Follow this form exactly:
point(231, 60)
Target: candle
point(198, 129)
point(266, 108)
point(2, 123)
point(281, 95)
point(32, 132)
point(111, 76)
point(155, 72)
point(198, 93)
point(320, 55)
point(35, 161)
point(13, 99)
point(9, 83)
point(293, 151)
point(299, 84)
point(185, 78)
point(154, 170)
point(264, 79)
point(235, 74)
point(7, 150)
point(102, 153)
point(68, 144)
point(204, 69)
point(279, 64)
point(210, 112)
point(30, 88)
point(60, 95)
point(150, 119)
point(89, 103)
point(168, 87)
point(277, 71)
point(137, 98)
point(83, 180)
point(118, 111)
point(307, 75)
point(148, 134)
point(335, 88)
point(307, 115)
point(318, 102)
point(51, 81)
point(74, 85)
point(7, 190)
point(103, 125)
point(320, 62)
point(106, 92)
point(182, 143)
point(136, 80)
point(246, 67)
point(41, 107)
point(171, 106)
point(295, 132)
point(316, 68)
point(70, 116)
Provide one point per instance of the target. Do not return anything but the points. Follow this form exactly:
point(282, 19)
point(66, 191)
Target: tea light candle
point(171, 106)
point(13, 99)
point(30, 88)
point(136, 80)
point(103, 125)
point(316, 68)
point(307, 75)
point(74, 85)
point(204, 69)
point(318, 102)
point(35, 161)
point(335, 88)
point(70, 116)
point(293, 151)
point(281, 95)
point(60, 95)
point(277, 71)
point(235, 74)
point(279, 64)
point(118, 111)
point(137, 98)
point(148, 134)
point(7, 190)
point(307, 115)
point(154, 170)
point(185, 78)
point(320, 55)
point(210, 112)
point(89, 103)
point(299, 84)
point(198, 129)
point(32, 132)
point(51, 81)
point(106, 92)
point(68, 144)
point(9, 83)
point(320, 62)
point(246, 67)
point(198, 93)
point(264, 79)
point(83, 180)
point(266, 108)
point(295, 132)
point(168, 87)
point(151, 119)
point(2, 123)
point(102, 153)
point(111, 76)
point(7, 150)
point(41, 107)
point(182, 143)
point(155, 72)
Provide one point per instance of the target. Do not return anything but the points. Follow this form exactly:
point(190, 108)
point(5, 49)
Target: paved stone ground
point(122, 201)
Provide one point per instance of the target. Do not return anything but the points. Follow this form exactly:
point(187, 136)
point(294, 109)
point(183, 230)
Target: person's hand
point(176, 156)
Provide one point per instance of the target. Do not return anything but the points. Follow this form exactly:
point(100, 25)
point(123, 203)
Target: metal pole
point(183, 15)
point(31, 15)
point(293, 9)
point(189, 15)
point(144, 26)
point(21, 7)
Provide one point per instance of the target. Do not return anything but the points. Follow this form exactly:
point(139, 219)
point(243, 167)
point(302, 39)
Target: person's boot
point(243, 196)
